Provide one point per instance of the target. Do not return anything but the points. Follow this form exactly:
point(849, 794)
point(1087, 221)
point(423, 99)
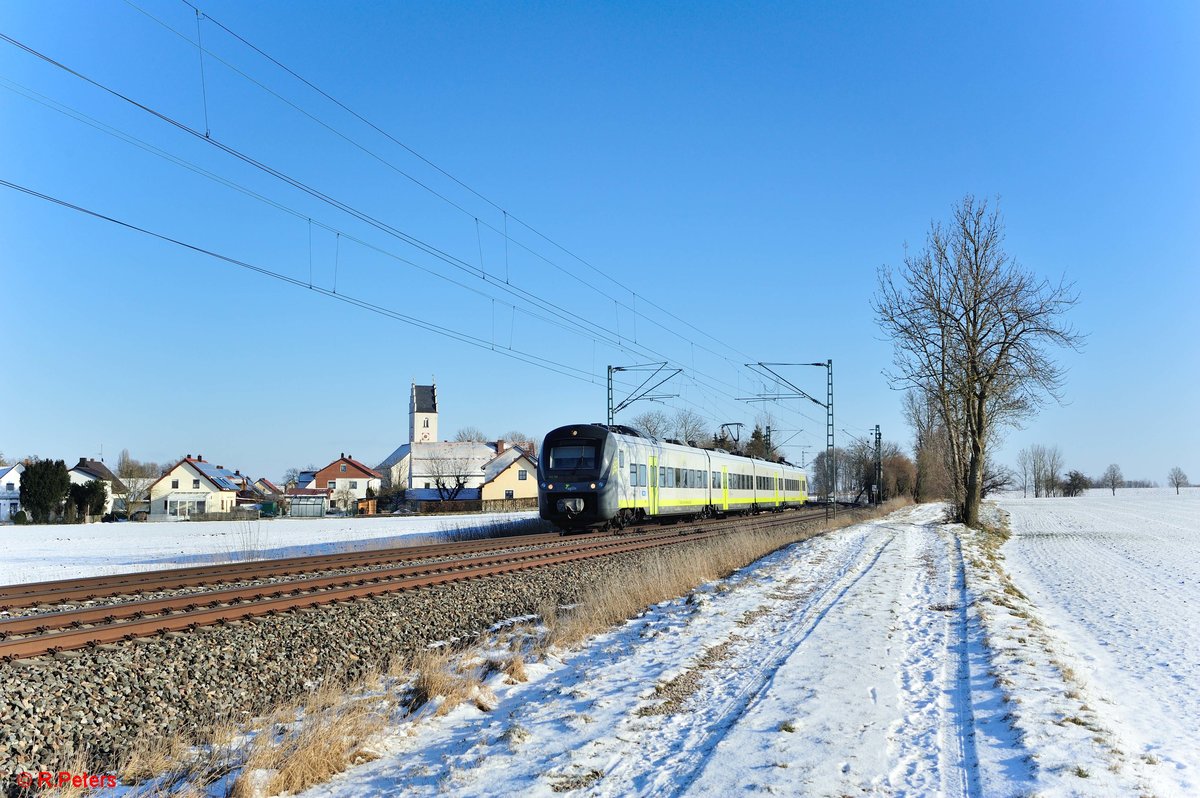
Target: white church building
point(431, 469)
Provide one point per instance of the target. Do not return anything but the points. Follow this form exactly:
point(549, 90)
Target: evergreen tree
point(44, 486)
point(89, 499)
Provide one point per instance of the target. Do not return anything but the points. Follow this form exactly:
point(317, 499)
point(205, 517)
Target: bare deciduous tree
point(689, 425)
point(653, 422)
point(929, 447)
point(520, 439)
point(1113, 478)
point(469, 435)
point(1052, 481)
point(450, 475)
point(1177, 479)
point(138, 477)
point(971, 329)
point(344, 498)
point(1024, 469)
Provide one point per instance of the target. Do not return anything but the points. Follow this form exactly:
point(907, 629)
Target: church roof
point(424, 398)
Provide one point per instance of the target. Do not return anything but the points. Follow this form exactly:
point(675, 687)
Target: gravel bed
point(199, 591)
point(97, 701)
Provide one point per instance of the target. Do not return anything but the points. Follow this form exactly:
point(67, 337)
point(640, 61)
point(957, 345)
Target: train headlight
point(550, 486)
point(592, 486)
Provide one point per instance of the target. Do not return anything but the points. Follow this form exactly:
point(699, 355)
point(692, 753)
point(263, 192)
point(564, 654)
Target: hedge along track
point(51, 633)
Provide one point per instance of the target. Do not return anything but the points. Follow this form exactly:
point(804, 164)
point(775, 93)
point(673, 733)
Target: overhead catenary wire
point(528, 357)
point(546, 305)
point(299, 215)
point(445, 173)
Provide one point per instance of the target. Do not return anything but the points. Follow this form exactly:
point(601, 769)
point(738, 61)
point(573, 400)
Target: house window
point(426, 486)
point(354, 484)
point(332, 484)
point(8, 486)
point(174, 484)
point(508, 494)
point(195, 484)
point(522, 475)
point(343, 468)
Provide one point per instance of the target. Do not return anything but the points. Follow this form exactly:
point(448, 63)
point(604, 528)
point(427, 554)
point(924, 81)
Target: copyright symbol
point(24, 780)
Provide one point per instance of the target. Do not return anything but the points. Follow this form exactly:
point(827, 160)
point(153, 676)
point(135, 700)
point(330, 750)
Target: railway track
point(64, 630)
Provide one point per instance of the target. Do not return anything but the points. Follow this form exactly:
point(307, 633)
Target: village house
point(345, 481)
point(511, 474)
point(10, 490)
point(194, 486)
point(86, 471)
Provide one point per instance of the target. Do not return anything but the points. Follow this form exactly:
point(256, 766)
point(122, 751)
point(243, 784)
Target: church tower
point(422, 414)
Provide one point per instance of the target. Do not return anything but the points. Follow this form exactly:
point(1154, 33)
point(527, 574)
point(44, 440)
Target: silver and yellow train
point(597, 475)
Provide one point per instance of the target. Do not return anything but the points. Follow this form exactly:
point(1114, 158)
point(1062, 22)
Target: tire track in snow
point(933, 742)
point(966, 754)
point(682, 749)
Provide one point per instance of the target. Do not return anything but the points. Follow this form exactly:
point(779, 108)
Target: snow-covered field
point(63, 551)
point(1116, 582)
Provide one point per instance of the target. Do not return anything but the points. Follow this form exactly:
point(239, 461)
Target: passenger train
point(609, 475)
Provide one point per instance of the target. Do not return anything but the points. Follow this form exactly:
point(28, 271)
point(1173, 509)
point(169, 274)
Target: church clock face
point(424, 436)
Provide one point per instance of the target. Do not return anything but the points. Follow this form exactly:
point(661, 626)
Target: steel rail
point(302, 594)
point(189, 601)
point(31, 594)
point(57, 641)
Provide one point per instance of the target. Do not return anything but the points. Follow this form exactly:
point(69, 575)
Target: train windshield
point(574, 457)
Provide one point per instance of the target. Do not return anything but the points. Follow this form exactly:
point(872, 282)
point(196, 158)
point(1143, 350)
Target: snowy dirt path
point(847, 664)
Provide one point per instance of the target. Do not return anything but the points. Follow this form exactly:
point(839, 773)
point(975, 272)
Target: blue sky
point(744, 167)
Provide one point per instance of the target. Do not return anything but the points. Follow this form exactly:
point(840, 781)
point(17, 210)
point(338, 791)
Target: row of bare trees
point(1039, 469)
point(854, 471)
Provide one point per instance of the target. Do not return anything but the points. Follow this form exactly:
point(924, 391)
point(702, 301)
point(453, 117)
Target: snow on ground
point(1115, 582)
point(36, 553)
point(843, 665)
point(900, 657)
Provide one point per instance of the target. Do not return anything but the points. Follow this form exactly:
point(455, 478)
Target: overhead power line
point(507, 214)
point(582, 325)
point(458, 263)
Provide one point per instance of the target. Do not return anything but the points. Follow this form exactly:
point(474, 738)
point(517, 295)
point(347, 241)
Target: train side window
point(662, 476)
point(621, 458)
point(633, 483)
point(641, 474)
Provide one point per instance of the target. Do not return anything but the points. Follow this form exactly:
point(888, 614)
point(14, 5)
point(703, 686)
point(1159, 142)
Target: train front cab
point(576, 483)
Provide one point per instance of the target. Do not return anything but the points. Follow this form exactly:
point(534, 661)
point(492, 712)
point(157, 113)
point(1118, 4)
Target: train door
point(653, 485)
point(776, 479)
point(724, 488)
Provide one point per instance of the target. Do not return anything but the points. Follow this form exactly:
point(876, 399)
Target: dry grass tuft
point(331, 738)
point(151, 756)
point(435, 677)
point(514, 669)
